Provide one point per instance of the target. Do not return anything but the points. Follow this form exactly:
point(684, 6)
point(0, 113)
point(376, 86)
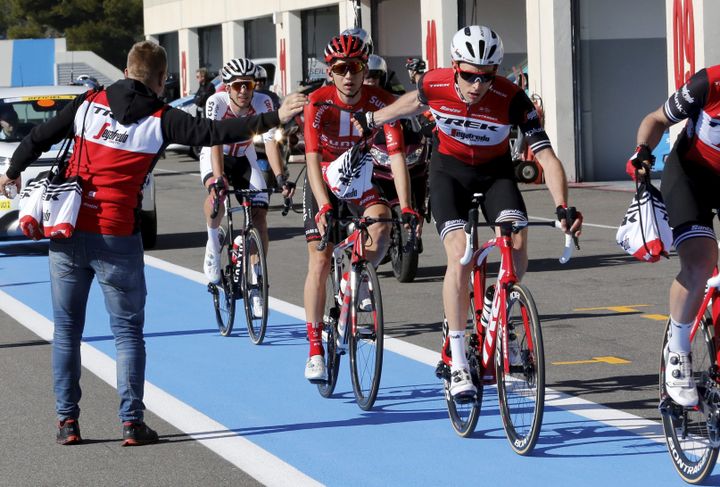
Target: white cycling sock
point(679, 336)
point(457, 349)
point(214, 238)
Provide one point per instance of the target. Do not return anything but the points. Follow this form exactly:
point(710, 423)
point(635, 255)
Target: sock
point(679, 336)
point(457, 349)
point(214, 238)
point(314, 332)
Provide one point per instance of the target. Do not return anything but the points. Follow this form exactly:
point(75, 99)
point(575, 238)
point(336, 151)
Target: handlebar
point(364, 222)
point(221, 190)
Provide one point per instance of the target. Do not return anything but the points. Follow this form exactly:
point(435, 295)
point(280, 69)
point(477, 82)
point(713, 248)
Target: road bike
point(508, 350)
point(347, 323)
point(243, 264)
point(693, 433)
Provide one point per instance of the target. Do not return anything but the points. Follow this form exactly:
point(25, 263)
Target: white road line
point(581, 407)
point(244, 454)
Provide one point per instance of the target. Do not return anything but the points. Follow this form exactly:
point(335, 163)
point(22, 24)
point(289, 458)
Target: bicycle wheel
point(691, 433)
point(521, 392)
point(366, 343)
point(255, 291)
point(404, 265)
point(330, 336)
point(464, 414)
point(224, 292)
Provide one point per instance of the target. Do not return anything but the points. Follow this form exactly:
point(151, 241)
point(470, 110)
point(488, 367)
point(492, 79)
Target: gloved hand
point(640, 162)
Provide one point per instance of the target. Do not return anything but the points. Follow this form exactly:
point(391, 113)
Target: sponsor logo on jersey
point(111, 135)
point(457, 134)
point(498, 92)
point(448, 109)
point(464, 122)
point(532, 115)
point(686, 94)
point(536, 130)
point(439, 85)
point(374, 100)
point(678, 106)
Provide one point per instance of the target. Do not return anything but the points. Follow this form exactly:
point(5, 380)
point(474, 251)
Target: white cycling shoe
point(363, 297)
point(679, 382)
point(315, 368)
point(211, 264)
point(256, 303)
point(461, 384)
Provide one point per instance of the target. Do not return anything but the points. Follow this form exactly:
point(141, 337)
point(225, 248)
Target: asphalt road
point(601, 316)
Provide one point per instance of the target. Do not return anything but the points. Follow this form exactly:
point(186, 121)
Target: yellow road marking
point(596, 360)
point(630, 308)
point(655, 317)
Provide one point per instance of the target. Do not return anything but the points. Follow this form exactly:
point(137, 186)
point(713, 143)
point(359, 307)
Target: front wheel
point(330, 338)
point(692, 433)
point(224, 292)
point(366, 343)
point(255, 291)
point(404, 264)
point(521, 390)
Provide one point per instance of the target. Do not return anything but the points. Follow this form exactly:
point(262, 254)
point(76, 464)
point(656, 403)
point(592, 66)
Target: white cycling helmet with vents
point(477, 44)
point(236, 68)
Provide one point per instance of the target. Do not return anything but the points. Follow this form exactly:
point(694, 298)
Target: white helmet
point(236, 68)
point(376, 63)
point(477, 44)
point(362, 34)
point(260, 73)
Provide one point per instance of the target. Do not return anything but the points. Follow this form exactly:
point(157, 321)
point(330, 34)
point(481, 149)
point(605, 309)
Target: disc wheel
point(521, 391)
point(225, 291)
point(255, 291)
point(692, 445)
point(366, 343)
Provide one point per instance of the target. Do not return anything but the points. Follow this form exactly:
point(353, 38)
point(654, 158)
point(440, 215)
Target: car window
point(19, 115)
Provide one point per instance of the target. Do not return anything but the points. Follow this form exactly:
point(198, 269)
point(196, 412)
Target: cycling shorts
point(356, 206)
point(691, 196)
point(453, 183)
point(418, 188)
point(240, 172)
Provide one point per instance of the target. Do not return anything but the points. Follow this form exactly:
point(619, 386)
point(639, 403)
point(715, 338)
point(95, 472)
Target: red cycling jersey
point(479, 133)
point(331, 132)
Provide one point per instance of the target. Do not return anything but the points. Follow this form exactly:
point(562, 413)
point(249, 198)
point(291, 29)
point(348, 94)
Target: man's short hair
point(8, 114)
point(203, 72)
point(146, 60)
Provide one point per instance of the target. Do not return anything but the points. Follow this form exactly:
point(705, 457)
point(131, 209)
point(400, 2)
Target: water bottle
point(344, 298)
point(487, 306)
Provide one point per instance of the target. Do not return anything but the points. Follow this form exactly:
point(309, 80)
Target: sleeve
point(214, 108)
point(689, 100)
point(266, 106)
point(524, 114)
point(311, 135)
point(42, 137)
point(394, 139)
point(182, 128)
point(422, 97)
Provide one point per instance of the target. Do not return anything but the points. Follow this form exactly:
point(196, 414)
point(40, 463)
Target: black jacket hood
point(130, 100)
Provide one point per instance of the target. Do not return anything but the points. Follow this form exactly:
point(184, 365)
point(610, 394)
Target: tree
point(106, 27)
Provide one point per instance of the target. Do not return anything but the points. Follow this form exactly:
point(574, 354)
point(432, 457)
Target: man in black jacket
point(119, 133)
point(205, 90)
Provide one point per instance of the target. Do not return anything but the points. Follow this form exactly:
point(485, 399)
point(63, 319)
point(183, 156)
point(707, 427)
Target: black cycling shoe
point(68, 432)
point(138, 433)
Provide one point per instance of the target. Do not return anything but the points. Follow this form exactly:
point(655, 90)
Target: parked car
point(33, 106)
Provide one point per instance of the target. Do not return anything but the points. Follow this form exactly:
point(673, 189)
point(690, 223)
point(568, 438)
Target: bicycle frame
point(711, 299)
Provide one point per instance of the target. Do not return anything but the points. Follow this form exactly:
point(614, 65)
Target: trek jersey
point(218, 108)
point(698, 100)
point(330, 132)
point(479, 133)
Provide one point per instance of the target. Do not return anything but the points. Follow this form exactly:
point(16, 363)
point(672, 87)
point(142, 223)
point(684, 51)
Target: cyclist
point(328, 134)
point(415, 68)
point(689, 187)
point(474, 110)
point(237, 162)
point(262, 87)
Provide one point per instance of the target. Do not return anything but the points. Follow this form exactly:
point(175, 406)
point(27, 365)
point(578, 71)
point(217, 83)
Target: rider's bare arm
point(314, 175)
point(652, 128)
point(401, 178)
point(406, 106)
point(274, 158)
point(216, 160)
point(554, 175)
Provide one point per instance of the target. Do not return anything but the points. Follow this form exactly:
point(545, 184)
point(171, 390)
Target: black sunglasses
point(473, 78)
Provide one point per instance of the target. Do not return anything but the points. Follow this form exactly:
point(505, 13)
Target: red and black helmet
point(346, 47)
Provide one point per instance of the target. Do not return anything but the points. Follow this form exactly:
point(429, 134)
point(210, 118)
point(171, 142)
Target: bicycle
point(693, 433)
point(513, 314)
point(243, 272)
point(366, 328)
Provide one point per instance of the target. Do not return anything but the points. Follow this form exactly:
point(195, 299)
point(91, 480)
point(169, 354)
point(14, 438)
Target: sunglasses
point(353, 67)
point(374, 74)
point(473, 78)
point(238, 85)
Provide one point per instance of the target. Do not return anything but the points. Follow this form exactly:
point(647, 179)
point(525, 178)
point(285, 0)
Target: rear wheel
point(255, 291)
point(691, 433)
point(366, 343)
point(329, 337)
point(224, 292)
point(521, 391)
point(464, 413)
point(404, 264)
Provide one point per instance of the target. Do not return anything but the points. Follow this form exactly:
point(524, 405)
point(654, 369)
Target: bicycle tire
point(330, 317)
point(366, 343)
point(464, 415)
point(521, 393)
point(224, 294)
point(404, 265)
point(686, 433)
point(255, 278)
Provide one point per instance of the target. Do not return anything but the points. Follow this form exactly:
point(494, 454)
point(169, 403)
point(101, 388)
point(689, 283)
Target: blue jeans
point(118, 264)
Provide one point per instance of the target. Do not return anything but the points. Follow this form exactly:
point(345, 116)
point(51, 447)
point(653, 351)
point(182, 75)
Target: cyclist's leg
point(211, 261)
point(687, 193)
point(379, 233)
point(261, 201)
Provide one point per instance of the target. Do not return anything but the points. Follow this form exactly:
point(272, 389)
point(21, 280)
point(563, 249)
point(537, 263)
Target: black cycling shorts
point(238, 172)
point(453, 183)
point(691, 196)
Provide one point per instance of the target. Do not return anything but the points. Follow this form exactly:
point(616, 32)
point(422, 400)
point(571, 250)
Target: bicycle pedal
point(465, 398)
point(317, 381)
point(212, 289)
point(442, 371)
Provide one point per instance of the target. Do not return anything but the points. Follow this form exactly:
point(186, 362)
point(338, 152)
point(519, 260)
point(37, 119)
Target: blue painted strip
point(259, 392)
point(33, 62)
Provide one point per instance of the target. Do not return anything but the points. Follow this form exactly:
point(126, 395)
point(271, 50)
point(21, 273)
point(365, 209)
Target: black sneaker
point(68, 432)
point(138, 433)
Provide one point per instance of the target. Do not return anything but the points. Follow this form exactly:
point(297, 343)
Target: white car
point(35, 105)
